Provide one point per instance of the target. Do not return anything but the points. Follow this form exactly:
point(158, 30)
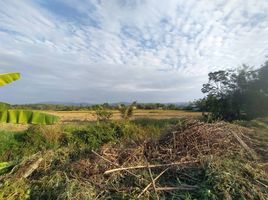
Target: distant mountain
point(64, 103)
point(84, 104)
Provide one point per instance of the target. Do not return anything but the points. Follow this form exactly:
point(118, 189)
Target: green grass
point(16, 145)
point(259, 136)
point(159, 123)
point(9, 145)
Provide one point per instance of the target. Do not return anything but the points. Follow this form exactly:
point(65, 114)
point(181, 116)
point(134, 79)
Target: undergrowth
point(16, 145)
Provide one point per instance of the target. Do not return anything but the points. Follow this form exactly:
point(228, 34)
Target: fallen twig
point(115, 164)
point(261, 183)
point(182, 187)
point(152, 179)
point(149, 185)
point(245, 146)
point(150, 166)
point(32, 168)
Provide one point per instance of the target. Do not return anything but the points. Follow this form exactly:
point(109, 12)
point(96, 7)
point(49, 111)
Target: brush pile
point(194, 138)
point(184, 143)
point(141, 168)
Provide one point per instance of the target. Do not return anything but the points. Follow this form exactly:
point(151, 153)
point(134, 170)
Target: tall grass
point(15, 145)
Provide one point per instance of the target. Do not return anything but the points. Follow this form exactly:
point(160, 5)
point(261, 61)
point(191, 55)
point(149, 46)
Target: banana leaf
point(3, 116)
point(8, 78)
point(4, 106)
point(21, 116)
point(27, 117)
point(43, 118)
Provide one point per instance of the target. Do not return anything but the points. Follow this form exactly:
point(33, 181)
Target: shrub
point(103, 114)
point(93, 136)
point(126, 111)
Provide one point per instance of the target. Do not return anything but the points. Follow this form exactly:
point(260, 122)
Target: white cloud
point(120, 49)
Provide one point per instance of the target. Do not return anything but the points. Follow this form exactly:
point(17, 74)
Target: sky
point(99, 51)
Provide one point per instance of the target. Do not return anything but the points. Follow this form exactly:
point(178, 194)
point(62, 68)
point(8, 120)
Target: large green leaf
point(21, 116)
point(42, 118)
point(27, 117)
point(4, 106)
point(3, 116)
point(8, 78)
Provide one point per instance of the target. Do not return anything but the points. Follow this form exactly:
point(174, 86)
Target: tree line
point(235, 94)
point(62, 107)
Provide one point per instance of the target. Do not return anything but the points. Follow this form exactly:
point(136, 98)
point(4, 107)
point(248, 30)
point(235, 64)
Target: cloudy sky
point(125, 50)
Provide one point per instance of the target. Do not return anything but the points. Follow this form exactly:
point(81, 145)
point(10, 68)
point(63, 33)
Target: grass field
point(89, 116)
point(70, 116)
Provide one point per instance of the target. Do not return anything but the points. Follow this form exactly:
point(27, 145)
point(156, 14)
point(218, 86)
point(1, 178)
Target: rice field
point(72, 116)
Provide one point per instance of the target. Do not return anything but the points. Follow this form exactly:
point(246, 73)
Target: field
point(72, 116)
point(89, 116)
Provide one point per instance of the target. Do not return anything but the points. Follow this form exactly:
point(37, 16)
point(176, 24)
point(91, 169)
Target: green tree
point(237, 94)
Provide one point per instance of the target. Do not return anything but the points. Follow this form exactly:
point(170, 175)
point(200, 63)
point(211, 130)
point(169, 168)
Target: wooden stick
point(261, 183)
point(104, 158)
point(182, 187)
point(245, 146)
point(153, 182)
point(146, 188)
point(32, 168)
point(150, 166)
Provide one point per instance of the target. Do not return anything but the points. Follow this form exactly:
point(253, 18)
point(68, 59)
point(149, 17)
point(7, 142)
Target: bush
point(103, 114)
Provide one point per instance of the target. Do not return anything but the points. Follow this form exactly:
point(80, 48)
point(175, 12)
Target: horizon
point(99, 103)
point(125, 50)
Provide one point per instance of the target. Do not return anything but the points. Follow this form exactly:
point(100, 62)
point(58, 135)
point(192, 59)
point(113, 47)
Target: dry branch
point(182, 187)
point(152, 179)
point(245, 146)
point(115, 164)
point(150, 166)
point(32, 168)
point(149, 185)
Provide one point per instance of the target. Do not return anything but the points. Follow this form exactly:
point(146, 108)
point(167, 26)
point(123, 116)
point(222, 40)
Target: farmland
point(90, 116)
point(72, 116)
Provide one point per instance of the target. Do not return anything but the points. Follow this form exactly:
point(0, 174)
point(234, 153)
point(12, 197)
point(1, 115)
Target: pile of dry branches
point(115, 166)
point(195, 138)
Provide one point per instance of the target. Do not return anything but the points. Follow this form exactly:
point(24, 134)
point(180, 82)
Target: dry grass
point(89, 116)
point(69, 116)
point(13, 127)
point(51, 133)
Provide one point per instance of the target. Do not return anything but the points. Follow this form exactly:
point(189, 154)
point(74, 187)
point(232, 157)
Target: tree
point(16, 116)
point(103, 114)
point(237, 94)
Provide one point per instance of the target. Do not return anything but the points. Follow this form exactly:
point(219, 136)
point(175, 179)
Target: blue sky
point(125, 50)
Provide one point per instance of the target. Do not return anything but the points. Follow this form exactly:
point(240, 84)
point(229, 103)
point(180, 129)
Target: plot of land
point(87, 116)
point(69, 116)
